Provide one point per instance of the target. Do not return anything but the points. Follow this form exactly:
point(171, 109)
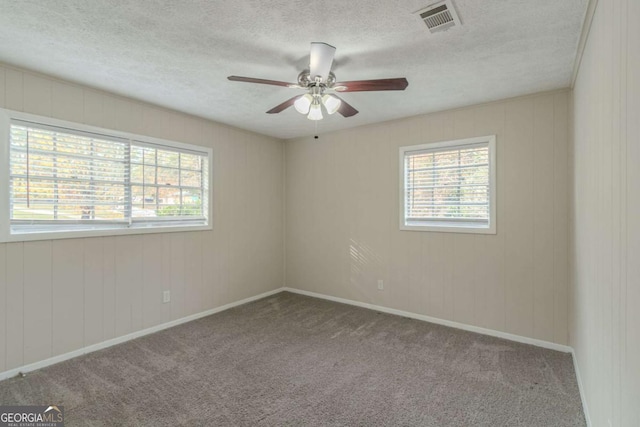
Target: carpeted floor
point(299, 361)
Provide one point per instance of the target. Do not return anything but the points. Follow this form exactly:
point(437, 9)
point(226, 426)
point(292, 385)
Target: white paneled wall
point(342, 228)
point(605, 262)
point(62, 295)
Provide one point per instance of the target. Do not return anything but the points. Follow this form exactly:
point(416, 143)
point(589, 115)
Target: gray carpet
point(294, 360)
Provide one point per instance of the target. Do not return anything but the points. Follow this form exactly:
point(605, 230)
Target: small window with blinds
point(449, 186)
point(68, 180)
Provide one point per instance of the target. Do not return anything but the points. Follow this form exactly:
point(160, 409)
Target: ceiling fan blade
point(372, 85)
point(346, 109)
point(321, 60)
point(286, 104)
point(261, 81)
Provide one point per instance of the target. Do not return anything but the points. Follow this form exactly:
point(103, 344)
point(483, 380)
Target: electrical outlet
point(166, 296)
point(380, 284)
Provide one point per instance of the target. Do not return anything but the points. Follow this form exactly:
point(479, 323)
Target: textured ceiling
point(178, 53)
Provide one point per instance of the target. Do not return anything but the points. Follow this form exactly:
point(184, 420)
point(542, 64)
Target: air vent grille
point(439, 16)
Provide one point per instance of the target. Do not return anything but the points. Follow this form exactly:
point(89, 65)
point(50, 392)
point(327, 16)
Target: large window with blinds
point(70, 180)
point(449, 186)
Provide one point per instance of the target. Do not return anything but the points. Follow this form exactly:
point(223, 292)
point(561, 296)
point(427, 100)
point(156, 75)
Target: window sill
point(79, 234)
point(449, 227)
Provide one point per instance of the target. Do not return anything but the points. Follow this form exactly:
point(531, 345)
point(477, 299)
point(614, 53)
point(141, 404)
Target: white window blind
point(167, 184)
point(63, 179)
point(448, 185)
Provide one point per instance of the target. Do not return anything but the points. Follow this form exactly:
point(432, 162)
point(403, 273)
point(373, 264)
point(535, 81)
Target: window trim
point(6, 116)
point(450, 226)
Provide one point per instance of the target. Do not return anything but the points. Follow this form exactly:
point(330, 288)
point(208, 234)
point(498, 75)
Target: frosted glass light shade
point(303, 103)
point(331, 103)
point(315, 112)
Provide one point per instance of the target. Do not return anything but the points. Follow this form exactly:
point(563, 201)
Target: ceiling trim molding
point(584, 35)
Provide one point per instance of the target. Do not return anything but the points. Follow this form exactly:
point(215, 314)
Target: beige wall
point(342, 224)
point(61, 295)
point(605, 262)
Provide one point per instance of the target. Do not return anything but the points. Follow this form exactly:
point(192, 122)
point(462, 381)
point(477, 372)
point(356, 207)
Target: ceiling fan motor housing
point(305, 80)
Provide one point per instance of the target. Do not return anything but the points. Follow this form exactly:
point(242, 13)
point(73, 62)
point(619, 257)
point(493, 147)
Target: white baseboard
point(450, 323)
point(583, 397)
point(118, 340)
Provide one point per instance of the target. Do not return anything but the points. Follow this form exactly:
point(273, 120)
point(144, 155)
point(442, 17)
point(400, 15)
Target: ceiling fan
point(320, 85)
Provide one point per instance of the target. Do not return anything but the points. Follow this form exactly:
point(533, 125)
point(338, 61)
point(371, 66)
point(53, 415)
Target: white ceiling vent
point(439, 16)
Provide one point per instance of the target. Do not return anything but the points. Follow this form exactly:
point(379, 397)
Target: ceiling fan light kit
point(315, 112)
point(331, 103)
point(303, 104)
point(310, 104)
point(320, 84)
